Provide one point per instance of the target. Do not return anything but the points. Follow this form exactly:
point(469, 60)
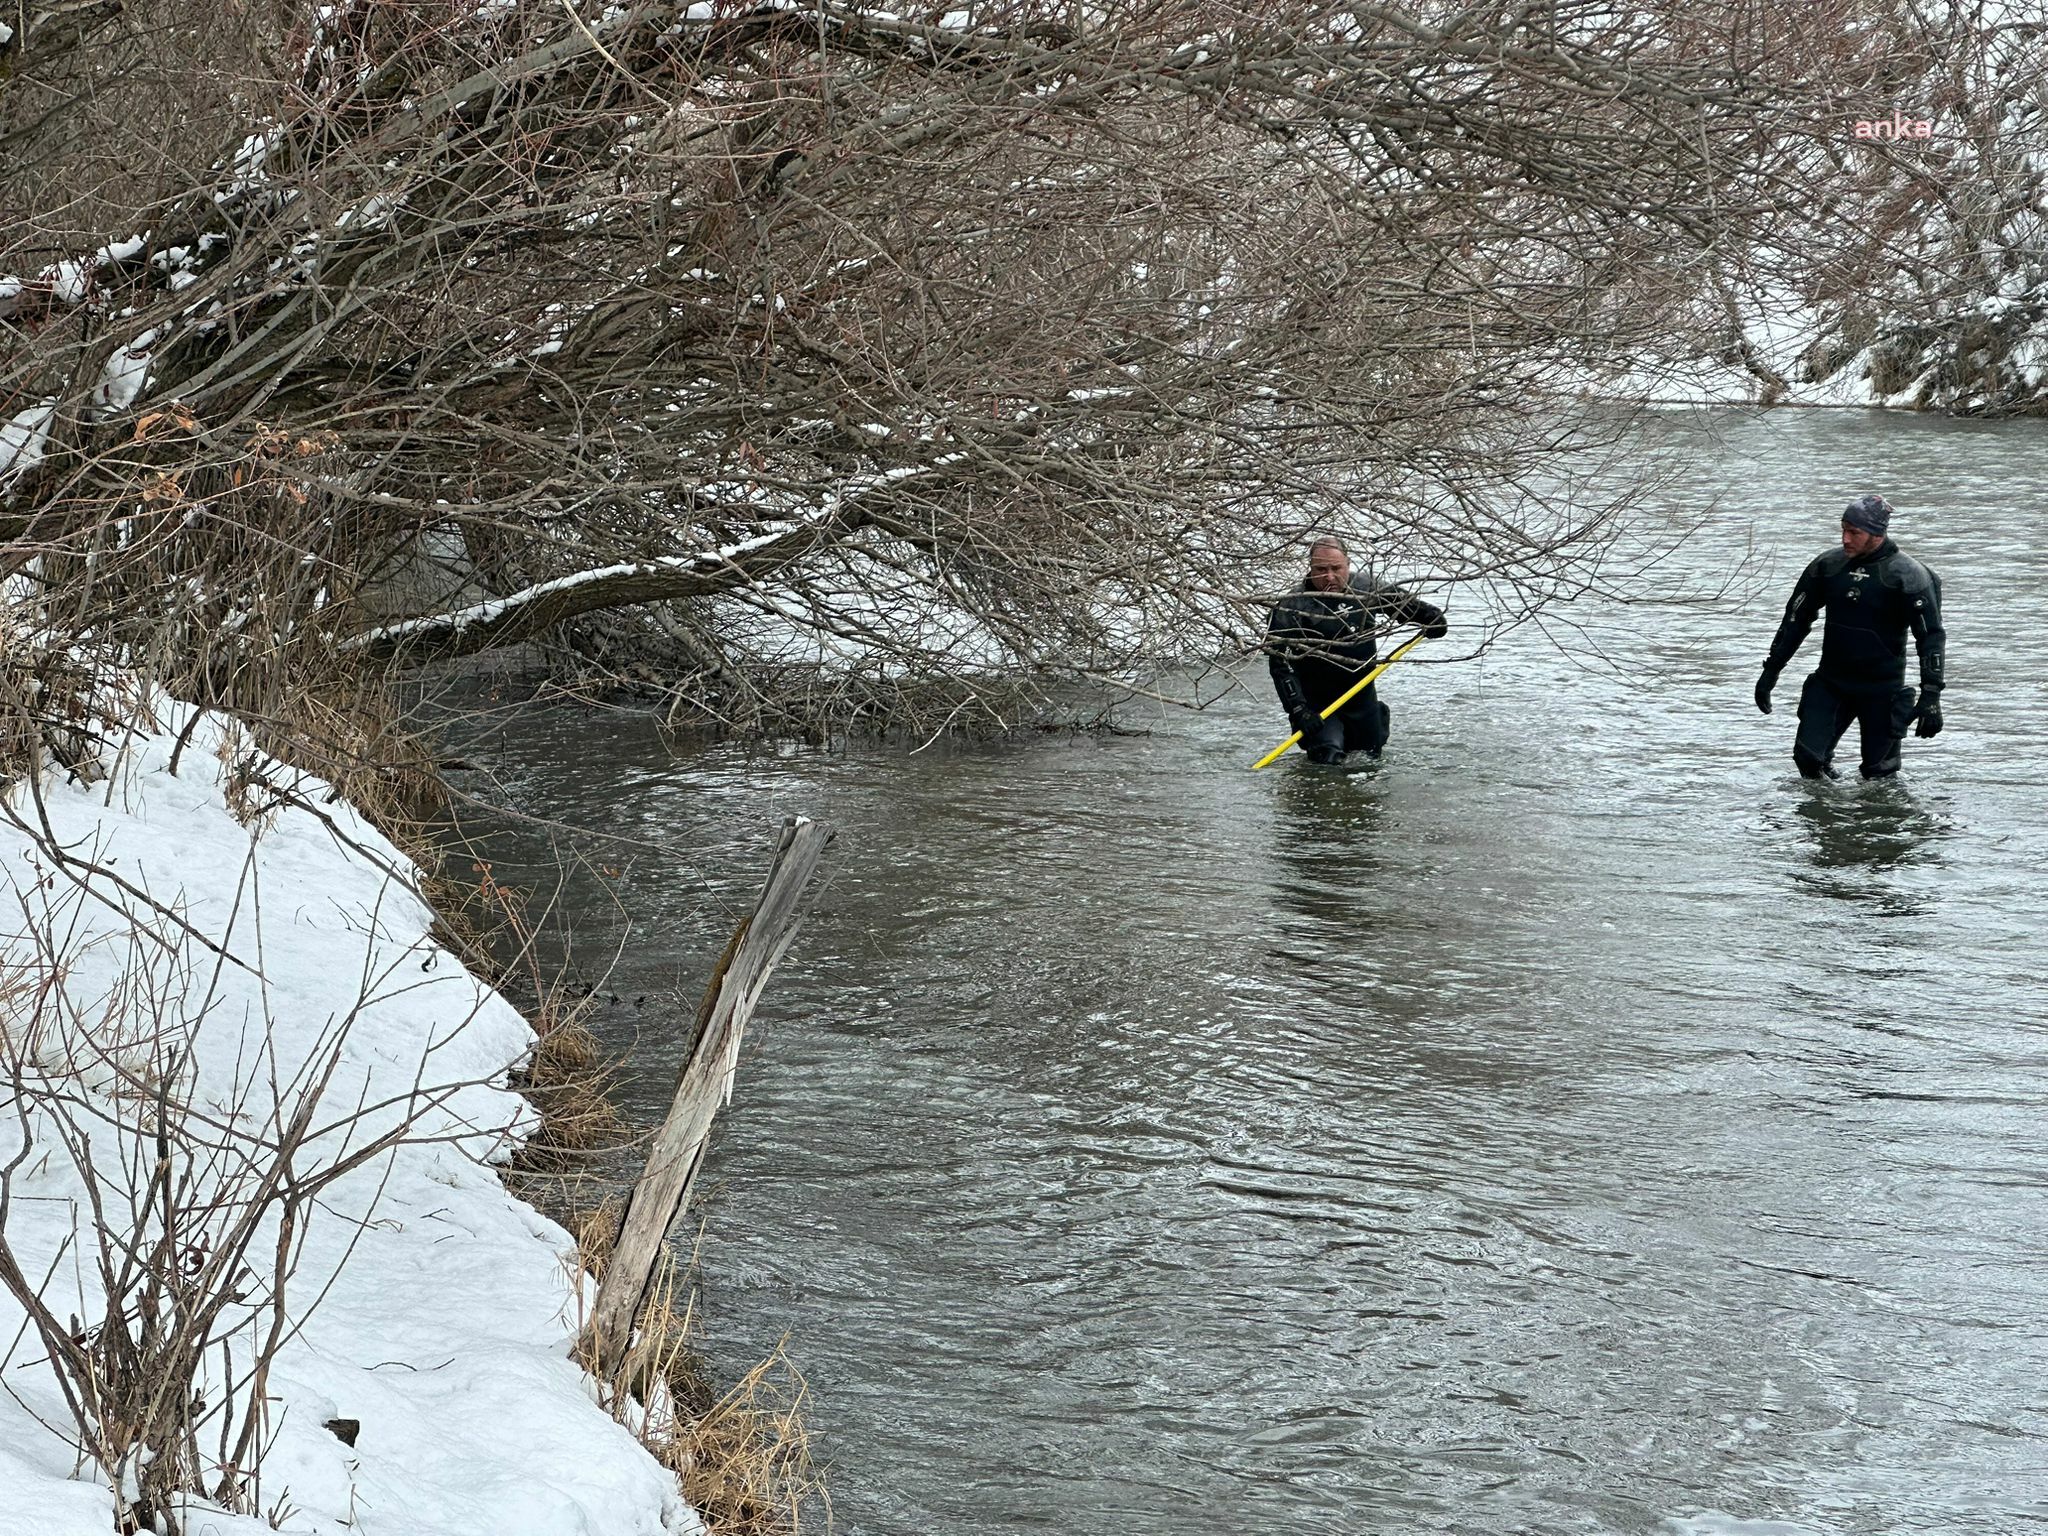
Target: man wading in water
point(1319, 642)
point(1873, 594)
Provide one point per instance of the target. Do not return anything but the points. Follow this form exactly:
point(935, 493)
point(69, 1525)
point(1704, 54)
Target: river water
point(1576, 1123)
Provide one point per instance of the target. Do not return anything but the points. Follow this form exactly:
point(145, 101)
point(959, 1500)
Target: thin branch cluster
point(808, 359)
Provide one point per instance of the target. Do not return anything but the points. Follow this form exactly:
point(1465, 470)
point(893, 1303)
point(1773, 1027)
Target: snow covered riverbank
point(245, 1094)
point(1985, 354)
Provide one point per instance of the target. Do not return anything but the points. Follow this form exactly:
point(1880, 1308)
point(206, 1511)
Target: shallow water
point(1575, 1123)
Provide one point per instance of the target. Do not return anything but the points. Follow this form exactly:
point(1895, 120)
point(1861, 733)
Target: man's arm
point(1805, 604)
point(1800, 612)
point(1931, 641)
point(1406, 608)
point(1929, 638)
point(1286, 681)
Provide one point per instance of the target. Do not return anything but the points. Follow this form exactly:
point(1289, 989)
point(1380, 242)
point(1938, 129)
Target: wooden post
point(703, 1088)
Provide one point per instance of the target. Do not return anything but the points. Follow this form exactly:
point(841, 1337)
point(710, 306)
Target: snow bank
point(427, 1305)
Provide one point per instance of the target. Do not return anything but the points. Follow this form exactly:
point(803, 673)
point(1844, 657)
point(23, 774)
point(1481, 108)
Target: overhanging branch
point(535, 609)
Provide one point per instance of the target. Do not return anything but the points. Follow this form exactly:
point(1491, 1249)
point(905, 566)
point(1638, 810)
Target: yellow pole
point(1342, 699)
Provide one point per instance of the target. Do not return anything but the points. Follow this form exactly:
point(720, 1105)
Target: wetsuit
point(1872, 601)
point(1319, 643)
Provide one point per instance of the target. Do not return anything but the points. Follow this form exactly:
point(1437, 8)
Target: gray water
point(1577, 1123)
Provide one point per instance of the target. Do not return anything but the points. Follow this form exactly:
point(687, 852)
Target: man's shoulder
point(1299, 603)
point(1903, 571)
point(1831, 562)
point(1363, 585)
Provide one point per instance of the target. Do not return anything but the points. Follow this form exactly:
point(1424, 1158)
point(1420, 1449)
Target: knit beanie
point(1870, 514)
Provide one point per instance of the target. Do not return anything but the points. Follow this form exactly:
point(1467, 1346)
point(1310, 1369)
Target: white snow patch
point(22, 441)
point(124, 375)
point(446, 1328)
point(373, 212)
point(71, 280)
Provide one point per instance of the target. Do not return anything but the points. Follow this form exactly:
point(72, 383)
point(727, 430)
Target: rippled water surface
point(1575, 1124)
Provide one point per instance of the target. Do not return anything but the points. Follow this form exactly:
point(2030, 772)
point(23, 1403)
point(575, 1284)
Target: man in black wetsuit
point(1874, 594)
point(1319, 641)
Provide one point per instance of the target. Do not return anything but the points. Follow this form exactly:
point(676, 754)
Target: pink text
point(1900, 127)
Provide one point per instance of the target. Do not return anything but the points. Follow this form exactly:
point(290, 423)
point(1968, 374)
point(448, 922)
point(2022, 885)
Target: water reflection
point(1860, 836)
point(1327, 829)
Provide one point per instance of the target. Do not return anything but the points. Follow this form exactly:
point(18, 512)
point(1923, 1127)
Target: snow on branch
point(531, 610)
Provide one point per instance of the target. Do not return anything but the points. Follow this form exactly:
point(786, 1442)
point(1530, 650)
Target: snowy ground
point(426, 1303)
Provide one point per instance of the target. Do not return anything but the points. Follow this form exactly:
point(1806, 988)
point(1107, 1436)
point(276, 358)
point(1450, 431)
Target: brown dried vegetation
point(743, 1455)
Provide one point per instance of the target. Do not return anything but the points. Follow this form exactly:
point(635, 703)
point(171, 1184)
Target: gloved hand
point(1764, 685)
point(1303, 719)
point(1929, 723)
point(1437, 627)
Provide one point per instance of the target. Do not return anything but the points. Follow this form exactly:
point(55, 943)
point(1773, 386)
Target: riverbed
point(1576, 1122)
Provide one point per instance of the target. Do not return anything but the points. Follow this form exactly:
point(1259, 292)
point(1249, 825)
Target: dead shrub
point(190, 1219)
point(742, 1456)
point(54, 707)
point(745, 1462)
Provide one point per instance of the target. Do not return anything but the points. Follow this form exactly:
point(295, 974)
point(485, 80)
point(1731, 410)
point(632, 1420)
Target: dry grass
point(664, 1364)
point(54, 708)
point(568, 1081)
point(596, 1230)
point(350, 730)
point(486, 922)
point(20, 741)
point(356, 737)
point(745, 1463)
point(19, 985)
point(742, 1456)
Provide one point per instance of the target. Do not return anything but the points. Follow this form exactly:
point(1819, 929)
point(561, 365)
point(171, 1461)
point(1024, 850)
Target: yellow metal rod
point(1342, 699)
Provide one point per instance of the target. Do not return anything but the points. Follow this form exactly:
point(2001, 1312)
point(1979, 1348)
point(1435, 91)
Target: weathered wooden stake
point(703, 1088)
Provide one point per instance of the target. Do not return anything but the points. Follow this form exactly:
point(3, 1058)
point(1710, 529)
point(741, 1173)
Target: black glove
point(1303, 719)
point(1764, 685)
point(1930, 719)
point(1437, 627)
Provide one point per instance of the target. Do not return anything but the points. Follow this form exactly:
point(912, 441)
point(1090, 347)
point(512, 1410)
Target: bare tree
point(789, 355)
